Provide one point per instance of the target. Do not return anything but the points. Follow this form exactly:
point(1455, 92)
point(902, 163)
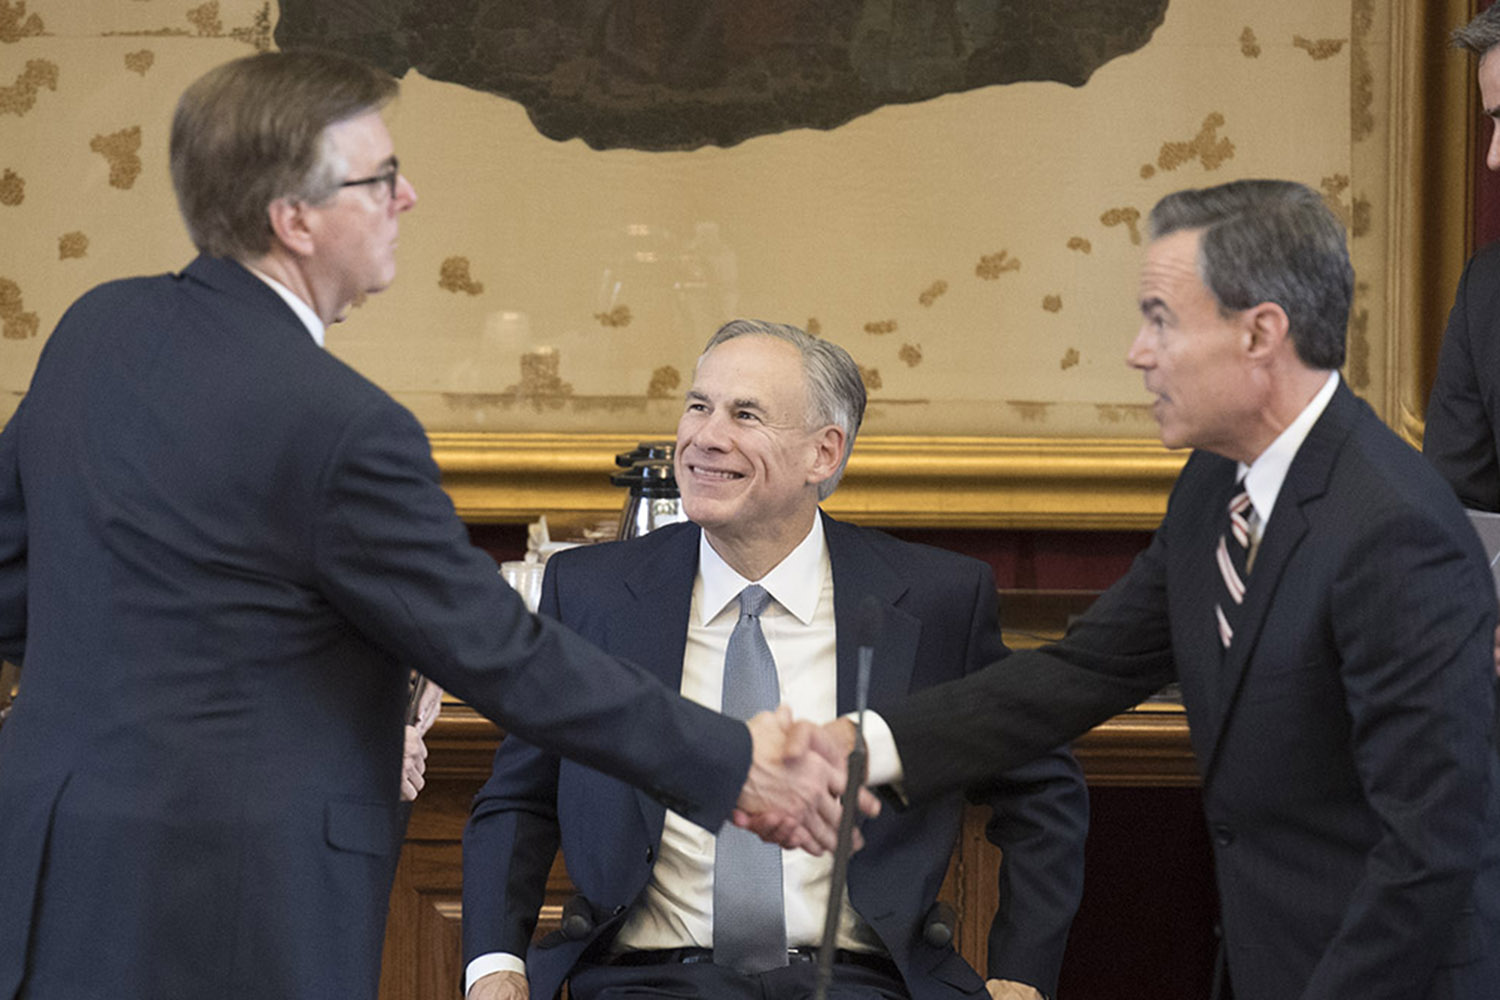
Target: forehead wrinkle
point(1169, 267)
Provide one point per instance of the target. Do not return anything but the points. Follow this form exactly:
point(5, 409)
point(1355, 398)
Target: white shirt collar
point(302, 309)
point(1264, 477)
point(795, 583)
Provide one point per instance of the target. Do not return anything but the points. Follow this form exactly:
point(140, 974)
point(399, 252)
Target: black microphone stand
point(849, 803)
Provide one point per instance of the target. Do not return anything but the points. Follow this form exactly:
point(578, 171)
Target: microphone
point(866, 628)
point(416, 686)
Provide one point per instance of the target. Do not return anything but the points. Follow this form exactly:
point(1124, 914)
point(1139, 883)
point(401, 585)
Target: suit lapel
point(660, 598)
point(1195, 603)
point(857, 572)
point(1306, 482)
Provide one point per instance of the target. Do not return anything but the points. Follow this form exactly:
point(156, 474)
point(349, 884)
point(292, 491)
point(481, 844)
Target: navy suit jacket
point(220, 549)
point(1462, 438)
point(940, 620)
point(1344, 739)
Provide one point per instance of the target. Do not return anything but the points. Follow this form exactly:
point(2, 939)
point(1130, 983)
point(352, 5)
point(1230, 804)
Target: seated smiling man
point(757, 599)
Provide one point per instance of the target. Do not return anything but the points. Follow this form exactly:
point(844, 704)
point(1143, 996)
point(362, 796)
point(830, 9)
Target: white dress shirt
point(1264, 476)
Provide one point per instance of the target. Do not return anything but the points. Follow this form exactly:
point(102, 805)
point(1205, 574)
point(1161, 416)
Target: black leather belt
point(689, 956)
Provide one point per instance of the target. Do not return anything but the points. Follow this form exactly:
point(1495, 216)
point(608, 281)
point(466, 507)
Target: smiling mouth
point(720, 474)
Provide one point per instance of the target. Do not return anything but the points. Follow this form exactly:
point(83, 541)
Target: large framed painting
point(954, 190)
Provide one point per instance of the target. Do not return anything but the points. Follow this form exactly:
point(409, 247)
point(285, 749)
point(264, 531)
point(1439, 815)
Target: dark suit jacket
point(1344, 740)
point(1463, 413)
point(940, 621)
point(219, 549)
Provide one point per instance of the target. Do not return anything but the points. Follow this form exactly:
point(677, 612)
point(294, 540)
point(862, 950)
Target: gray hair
point(1271, 241)
point(256, 129)
point(835, 391)
point(1481, 34)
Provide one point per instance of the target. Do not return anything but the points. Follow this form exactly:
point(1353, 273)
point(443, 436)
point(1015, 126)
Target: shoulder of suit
point(338, 394)
point(1382, 464)
point(1487, 256)
point(1480, 284)
point(902, 555)
point(131, 294)
point(626, 552)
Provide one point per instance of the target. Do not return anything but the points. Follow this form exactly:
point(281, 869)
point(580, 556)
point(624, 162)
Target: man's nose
point(406, 193)
point(1138, 355)
point(714, 432)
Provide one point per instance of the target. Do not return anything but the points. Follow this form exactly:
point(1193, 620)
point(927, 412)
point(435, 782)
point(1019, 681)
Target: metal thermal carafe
point(653, 500)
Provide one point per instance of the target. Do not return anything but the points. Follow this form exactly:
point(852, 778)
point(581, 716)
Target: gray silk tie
point(749, 916)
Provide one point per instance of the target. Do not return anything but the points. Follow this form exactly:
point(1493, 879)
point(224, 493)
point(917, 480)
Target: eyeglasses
point(388, 177)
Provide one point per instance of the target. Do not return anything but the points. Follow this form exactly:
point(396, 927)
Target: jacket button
point(650, 855)
point(1223, 835)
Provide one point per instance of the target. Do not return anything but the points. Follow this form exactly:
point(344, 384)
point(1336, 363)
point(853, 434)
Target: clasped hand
point(797, 774)
point(414, 753)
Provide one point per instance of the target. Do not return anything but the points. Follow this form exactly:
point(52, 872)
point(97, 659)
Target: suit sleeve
point(1417, 672)
point(511, 839)
point(966, 733)
point(1039, 819)
point(1459, 439)
point(392, 556)
point(12, 543)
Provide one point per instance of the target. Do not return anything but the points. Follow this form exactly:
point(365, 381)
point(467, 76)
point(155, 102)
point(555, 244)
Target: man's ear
point(290, 225)
point(1266, 329)
point(829, 445)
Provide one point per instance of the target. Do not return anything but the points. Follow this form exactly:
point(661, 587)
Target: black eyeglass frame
point(390, 176)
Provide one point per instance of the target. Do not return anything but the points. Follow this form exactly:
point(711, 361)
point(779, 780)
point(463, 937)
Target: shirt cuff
point(495, 961)
point(884, 762)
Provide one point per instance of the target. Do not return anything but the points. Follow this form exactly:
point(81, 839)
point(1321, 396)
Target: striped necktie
point(1231, 556)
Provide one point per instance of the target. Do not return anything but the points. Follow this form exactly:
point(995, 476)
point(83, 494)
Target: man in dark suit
point(1462, 437)
point(219, 549)
point(1321, 598)
point(769, 424)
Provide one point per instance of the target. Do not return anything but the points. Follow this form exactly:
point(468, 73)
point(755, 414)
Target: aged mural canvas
point(952, 189)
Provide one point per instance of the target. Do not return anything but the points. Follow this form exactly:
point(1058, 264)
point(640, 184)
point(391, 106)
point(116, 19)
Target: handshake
point(791, 797)
point(798, 772)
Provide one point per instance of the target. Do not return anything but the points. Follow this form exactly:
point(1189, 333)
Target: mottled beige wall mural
point(976, 251)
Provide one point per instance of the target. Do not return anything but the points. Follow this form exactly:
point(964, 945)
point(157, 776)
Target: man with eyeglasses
point(221, 549)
